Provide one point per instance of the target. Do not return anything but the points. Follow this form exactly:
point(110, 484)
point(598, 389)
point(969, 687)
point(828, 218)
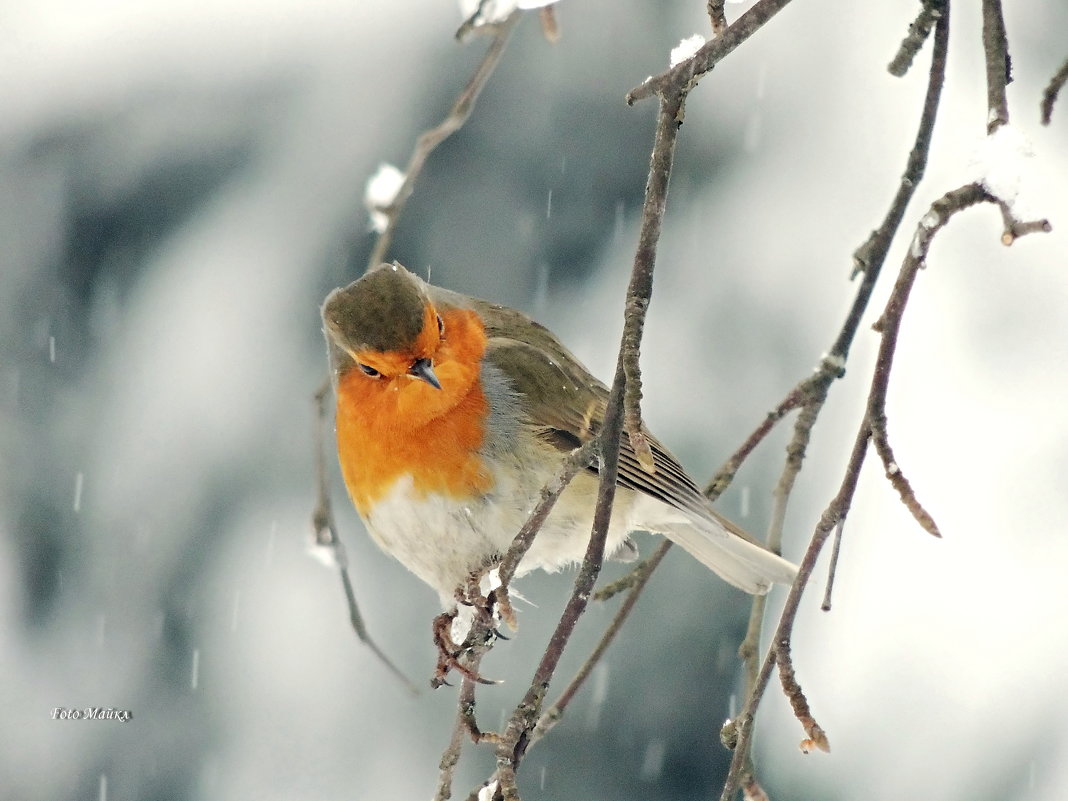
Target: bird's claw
point(449, 654)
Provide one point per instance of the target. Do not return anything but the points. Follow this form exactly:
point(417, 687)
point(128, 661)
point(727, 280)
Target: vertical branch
point(743, 724)
point(516, 737)
point(998, 65)
point(812, 393)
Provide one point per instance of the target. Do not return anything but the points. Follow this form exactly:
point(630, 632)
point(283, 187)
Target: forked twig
point(868, 262)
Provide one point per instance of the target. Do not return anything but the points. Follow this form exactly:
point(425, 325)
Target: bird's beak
point(422, 369)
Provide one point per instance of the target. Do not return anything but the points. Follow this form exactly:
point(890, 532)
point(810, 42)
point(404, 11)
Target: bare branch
point(742, 726)
point(517, 734)
point(682, 77)
point(919, 30)
point(868, 259)
point(451, 756)
point(717, 16)
point(998, 65)
point(889, 324)
point(326, 536)
point(725, 475)
point(632, 394)
point(1053, 88)
point(429, 140)
point(578, 459)
point(833, 567)
point(1015, 228)
point(555, 712)
point(881, 442)
point(836, 511)
point(817, 737)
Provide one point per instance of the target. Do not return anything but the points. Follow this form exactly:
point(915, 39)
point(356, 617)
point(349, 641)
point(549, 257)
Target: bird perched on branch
point(453, 413)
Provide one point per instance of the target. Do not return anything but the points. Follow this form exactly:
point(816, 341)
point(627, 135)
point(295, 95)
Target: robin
point(453, 413)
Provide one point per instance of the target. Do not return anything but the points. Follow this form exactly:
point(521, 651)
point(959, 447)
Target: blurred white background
point(181, 185)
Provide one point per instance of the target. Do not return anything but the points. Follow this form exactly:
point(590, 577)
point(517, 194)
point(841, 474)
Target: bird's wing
point(568, 404)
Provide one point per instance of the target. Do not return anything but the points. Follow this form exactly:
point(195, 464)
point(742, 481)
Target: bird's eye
point(441, 328)
point(368, 370)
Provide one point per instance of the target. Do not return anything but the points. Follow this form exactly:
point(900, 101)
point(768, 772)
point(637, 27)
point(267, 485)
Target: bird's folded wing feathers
point(568, 403)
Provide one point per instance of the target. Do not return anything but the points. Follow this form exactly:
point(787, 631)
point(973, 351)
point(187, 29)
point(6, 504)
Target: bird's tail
point(730, 554)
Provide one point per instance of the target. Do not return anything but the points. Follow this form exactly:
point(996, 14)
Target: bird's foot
point(452, 656)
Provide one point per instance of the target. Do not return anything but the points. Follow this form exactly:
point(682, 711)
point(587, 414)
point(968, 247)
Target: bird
point(452, 413)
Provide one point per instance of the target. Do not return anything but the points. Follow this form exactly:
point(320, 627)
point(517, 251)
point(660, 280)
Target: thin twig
point(1053, 88)
point(451, 756)
point(632, 397)
point(577, 460)
point(890, 322)
point(868, 260)
point(1015, 228)
point(838, 508)
point(881, 442)
point(832, 569)
point(683, 76)
point(516, 737)
point(725, 475)
point(998, 65)
point(429, 140)
point(817, 737)
point(888, 325)
point(553, 714)
point(743, 724)
point(919, 30)
point(326, 536)
point(717, 16)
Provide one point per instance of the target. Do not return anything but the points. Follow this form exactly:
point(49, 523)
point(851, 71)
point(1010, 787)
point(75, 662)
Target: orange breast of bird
point(392, 427)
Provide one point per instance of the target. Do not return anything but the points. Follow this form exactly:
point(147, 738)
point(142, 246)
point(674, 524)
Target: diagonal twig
point(919, 30)
point(516, 737)
point(683, 76)
point(429, 140)
point(868, 261)
point(1053, 88)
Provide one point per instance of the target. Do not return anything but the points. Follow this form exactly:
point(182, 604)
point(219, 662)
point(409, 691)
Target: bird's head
point(384, 325)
